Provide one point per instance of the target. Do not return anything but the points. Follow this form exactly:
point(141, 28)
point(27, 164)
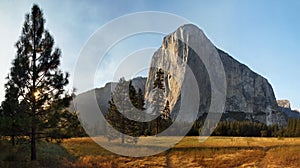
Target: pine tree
point(297, 132)
point(2, 124)
point(13, 119)
point(113, 117)
point(275, 130)
point(121, 106)
point(121, 98)
point(140, 100)
point(166, 120)
point(35, 72)
point(74, 127)
point(62, 123)
point(294, 128)
point(140, 105)
point(133, 127)
point(158, 100)
point(291, 128)
point(166, 114)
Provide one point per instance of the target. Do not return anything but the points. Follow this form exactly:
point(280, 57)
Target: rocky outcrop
point(284, 104)
point(285, 107)
point(247, 92)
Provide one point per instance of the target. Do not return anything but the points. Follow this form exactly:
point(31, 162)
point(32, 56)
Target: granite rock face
point(284, 104)
point(247, 92)
point(285, 107)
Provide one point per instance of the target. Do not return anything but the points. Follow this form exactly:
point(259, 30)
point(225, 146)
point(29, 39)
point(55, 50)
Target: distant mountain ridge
point(102, 96)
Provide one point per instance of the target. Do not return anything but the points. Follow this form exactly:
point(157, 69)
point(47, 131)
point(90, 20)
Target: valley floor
point(214, 152)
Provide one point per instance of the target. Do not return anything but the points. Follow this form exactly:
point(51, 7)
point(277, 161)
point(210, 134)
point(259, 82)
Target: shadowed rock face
point(247, 92)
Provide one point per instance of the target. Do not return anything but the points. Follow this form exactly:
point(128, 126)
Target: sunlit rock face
point(284, 104)
point(285, 107)
point(247, 92)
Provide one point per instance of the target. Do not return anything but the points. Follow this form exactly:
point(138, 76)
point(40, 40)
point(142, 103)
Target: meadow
point(189, 152)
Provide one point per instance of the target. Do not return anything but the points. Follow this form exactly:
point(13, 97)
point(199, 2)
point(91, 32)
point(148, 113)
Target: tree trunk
point(33, 145)
point(122, 138)
point(13, 140)
point(123, 130)
point(156, 127)
point(34, 77)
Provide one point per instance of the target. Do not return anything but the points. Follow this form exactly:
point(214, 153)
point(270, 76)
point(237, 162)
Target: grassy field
point(214, 152)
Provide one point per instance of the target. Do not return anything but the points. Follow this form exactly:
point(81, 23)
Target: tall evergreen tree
point(158, 98)
point(166, 114)
point(133, 127)
point(290, 128)
point(12, 119)
point(121, 99)
point(114, 118)
point(140, 105)
point(35, 73)
point(297, 131)
point(140, 100)
point(123, 104)
point(166, 120)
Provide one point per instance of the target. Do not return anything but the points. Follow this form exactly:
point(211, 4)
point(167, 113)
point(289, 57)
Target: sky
point(264, 35)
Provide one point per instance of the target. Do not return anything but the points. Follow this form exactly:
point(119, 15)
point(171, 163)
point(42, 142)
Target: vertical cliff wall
point(248, 93)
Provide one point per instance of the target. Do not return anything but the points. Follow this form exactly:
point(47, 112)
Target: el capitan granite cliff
point(249, 95)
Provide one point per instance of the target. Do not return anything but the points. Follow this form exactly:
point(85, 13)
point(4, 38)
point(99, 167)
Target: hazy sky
point(264, 35)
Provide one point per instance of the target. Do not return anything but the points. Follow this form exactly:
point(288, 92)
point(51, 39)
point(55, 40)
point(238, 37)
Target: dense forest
point(249, 129)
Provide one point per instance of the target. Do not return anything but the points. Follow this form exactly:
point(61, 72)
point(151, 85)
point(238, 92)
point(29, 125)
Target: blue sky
point(264, 35)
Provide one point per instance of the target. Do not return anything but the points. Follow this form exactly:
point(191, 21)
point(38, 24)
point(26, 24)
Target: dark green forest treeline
point(249, 129)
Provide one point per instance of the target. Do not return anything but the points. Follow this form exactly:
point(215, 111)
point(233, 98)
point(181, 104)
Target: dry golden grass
point(289, 156)
point(224, 158)
point(237, 142)
point(190, 152)
point(214, 152)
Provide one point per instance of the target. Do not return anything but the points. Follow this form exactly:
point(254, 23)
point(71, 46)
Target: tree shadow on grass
point(48, 155)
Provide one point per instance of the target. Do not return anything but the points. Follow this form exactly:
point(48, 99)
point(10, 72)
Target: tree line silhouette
point(248, 129)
